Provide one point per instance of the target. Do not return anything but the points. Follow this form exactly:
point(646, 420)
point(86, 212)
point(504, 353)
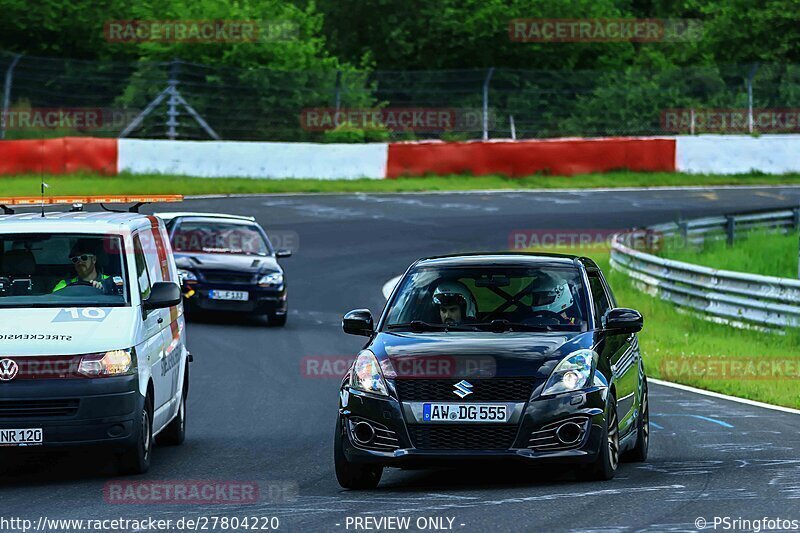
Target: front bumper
point(261, 300)
point(73, 411)
point(392, 415)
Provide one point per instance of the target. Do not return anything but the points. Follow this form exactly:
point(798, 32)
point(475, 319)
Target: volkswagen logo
point(463, 389)
point(8, 370)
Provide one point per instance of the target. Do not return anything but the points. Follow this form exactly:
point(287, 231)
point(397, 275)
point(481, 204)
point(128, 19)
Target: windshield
point(490, 298)
point(214, 237)
point(62, 270)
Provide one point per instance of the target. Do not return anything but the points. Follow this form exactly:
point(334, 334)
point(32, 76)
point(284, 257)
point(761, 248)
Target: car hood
point(60, 331)
point(476, 354)
point(235, 262)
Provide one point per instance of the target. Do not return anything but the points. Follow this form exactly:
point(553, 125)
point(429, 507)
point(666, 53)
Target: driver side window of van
point(141, 269)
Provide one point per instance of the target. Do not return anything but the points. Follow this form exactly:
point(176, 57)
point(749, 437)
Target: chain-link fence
point(44, 97)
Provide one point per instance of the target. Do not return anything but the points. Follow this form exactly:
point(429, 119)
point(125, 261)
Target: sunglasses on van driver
point(80, 258)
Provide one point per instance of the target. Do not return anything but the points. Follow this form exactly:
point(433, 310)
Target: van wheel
point(639, 452)
point(135, 459)
point(605, 466)
point(351, 475)
point(175, 433)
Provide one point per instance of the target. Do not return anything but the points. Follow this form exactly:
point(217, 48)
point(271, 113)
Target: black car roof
point(505, 258)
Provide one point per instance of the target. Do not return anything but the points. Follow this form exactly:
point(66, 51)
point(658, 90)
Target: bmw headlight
point(367, 374)
point(186, 275)
point(572, 373)
point(271, 280)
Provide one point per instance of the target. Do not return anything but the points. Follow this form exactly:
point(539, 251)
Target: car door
point(152, 348)
point(616, 349)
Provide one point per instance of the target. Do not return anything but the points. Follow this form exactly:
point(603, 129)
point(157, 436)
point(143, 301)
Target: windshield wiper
point(419, 325)
point(505, 325)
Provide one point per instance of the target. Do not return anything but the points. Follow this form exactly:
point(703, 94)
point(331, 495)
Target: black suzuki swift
point(507, 356)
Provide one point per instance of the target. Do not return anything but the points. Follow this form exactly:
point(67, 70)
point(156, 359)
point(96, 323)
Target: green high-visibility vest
point(64, 283)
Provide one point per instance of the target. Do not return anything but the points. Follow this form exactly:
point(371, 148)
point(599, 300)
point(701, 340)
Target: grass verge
point(683, 348)
point(163, 184)
point(767, 254)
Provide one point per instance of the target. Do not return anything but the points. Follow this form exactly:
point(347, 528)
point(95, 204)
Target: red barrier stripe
point(59, 156)
point(561, 157)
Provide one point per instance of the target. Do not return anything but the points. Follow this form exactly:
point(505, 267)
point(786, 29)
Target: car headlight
point(572, 373)
point(271, 280)
point(113, 363)
point(186, 275)
point(367, 374)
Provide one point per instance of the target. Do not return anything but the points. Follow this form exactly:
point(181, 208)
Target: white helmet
point(455, 292)
point(551, 295)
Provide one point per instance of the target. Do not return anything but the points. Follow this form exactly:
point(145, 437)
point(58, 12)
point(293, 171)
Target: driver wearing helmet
point(455, 302)
point(84, 260)
point(552, 296)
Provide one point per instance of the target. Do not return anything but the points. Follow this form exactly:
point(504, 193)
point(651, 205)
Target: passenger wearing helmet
point(552, 296)
point(455, 302)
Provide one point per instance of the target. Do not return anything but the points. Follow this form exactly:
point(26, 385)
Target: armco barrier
point(565, 157)
point(59, 156)
point(734, 297)
point(218, 159)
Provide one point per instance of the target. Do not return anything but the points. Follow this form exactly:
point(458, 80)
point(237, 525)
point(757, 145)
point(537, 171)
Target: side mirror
point(163, 294)
point(283, 252)
point(358, 322)
point(621, 320)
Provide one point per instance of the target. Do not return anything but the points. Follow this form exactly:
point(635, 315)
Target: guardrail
point(733, 297)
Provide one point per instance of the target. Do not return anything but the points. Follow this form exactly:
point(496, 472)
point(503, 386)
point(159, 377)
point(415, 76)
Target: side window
point(141, 268)
point(599, 297)
point(150, 248)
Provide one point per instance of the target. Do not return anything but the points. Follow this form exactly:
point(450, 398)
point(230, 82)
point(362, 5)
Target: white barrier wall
point(737, 154)
point(222, 159)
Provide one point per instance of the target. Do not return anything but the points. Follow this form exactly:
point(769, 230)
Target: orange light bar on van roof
point(86, 200)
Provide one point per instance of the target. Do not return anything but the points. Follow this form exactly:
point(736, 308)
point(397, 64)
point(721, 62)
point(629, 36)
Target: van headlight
point(367, 375)
point(271, 280)
point(108, 364)
point(572, 373)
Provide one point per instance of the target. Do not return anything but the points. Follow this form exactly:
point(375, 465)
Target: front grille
point(216, 276)
point(545, 440)
point(483, 390)
point(14, 409)
point(464, 437)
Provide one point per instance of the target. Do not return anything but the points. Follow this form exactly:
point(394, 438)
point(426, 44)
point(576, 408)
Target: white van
point(92, 334)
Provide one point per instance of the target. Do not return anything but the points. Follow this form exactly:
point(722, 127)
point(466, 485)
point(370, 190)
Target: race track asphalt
point(254, 414)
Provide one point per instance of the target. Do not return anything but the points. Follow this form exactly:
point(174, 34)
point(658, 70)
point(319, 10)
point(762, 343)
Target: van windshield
point(62, 270)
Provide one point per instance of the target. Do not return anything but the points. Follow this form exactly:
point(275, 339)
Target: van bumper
point(73, 411)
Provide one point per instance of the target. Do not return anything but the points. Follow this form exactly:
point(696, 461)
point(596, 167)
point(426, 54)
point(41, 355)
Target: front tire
point(350, 475)
point(135, 459)
point(605, 466)
point(638, 454)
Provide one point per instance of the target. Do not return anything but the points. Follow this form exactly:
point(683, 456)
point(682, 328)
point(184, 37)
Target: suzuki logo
point(463, 389)
point(8, 370)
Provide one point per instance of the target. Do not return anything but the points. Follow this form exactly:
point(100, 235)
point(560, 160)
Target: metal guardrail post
point(730, 229)
point(683, 230)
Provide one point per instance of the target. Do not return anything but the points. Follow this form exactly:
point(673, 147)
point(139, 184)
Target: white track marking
point(724, 396)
